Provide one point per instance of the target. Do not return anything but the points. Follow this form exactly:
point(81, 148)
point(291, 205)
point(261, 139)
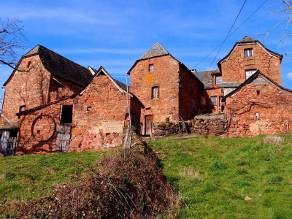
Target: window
point(258, 92)
point(155, 92)
point(150, 67)
point(213, 100)
point(22, 108)
point(66, 116)
point(218, 80)
point(257, 116)
point(248, 53)
point(249, 73)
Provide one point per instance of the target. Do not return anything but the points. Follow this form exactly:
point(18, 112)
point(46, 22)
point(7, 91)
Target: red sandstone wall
point(219, 94)
point(166, 76)
point(38, 129)
point(233, 68)
point(273, 105)
point(29, 87)
point(190, 94)
point(99, 116)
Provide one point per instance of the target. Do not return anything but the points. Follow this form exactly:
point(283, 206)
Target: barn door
point(148, 125)
point(63, 137)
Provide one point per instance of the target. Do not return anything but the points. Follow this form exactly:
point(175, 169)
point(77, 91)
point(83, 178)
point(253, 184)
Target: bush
point(119, 187)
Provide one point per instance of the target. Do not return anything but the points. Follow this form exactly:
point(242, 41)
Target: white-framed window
point(248, 52)
point(218, 79)
point(213, 100)
point(150, 67)
point(155, 92)
point(249, 73)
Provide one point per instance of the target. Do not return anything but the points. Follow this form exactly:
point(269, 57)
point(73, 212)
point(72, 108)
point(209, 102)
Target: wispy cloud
point(289, 75)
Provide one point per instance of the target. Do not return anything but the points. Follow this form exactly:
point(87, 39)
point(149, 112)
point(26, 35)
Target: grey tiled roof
point(155, 50)
point(61, 67)
point(206, 77)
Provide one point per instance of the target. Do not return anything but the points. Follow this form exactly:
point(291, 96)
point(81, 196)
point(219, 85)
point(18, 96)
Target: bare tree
point(10, 39)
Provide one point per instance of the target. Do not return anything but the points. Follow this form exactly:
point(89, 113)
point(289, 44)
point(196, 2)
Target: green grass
point(214, 176)
point(33, 176)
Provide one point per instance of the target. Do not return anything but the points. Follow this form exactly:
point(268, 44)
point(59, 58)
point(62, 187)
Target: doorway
point(148, 125)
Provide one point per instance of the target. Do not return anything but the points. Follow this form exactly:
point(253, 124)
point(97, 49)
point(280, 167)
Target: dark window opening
point(150, 67)
point(13, 133)
point(155, 92)
point(28, 64)
point(22, 108)
point(66, 116)
point(258, 92)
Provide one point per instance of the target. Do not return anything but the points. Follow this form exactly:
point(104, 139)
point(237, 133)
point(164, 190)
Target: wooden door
point(63, 137)
point(148, 125)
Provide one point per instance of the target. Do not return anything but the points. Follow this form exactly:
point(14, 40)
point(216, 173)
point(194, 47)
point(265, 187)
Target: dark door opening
point(66, 116)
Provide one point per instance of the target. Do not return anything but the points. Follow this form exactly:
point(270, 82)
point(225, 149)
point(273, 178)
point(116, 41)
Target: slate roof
point(156, 50)
point(59, 66)
point(206, 77)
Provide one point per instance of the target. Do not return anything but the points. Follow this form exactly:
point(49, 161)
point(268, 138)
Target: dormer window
point(150, 67)
point(248, 53)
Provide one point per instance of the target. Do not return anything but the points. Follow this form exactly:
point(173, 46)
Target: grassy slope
point(33, 176)
point(214, 175)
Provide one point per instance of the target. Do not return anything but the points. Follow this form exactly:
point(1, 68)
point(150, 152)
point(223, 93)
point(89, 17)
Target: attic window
point(66, 116)
point(150, 67)
point(248, 52)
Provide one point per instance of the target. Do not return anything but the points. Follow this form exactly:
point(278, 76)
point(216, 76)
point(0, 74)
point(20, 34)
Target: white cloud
point(289, 75)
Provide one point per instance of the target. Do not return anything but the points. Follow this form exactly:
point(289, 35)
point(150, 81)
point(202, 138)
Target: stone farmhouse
point(53, 104)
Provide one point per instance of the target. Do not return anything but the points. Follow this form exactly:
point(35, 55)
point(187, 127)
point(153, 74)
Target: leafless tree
point(11, 37)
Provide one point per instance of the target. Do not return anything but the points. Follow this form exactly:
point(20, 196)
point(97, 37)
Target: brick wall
point(233, 67)
point(28, 87)
point(259, 108)
point(38, 129)
point(100, 114)
point(218, 93)
point(191, 93)
point(32, 86)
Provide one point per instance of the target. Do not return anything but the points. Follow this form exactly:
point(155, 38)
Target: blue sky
point(114, 33)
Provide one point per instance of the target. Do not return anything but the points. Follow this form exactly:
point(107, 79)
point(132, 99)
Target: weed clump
point(127, 185)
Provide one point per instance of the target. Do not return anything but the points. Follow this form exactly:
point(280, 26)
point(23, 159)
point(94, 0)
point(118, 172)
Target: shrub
point(118, 187)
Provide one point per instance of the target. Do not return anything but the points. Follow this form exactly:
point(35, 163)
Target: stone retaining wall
point(213, 124)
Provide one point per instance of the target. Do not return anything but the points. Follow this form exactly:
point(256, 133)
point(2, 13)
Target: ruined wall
point(165, 75)
point(38, 129)
point(191, 92)
point(259, 108)
point(99, 116)
point(233, 68)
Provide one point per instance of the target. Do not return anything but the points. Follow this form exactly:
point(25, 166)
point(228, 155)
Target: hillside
point(229, 178)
